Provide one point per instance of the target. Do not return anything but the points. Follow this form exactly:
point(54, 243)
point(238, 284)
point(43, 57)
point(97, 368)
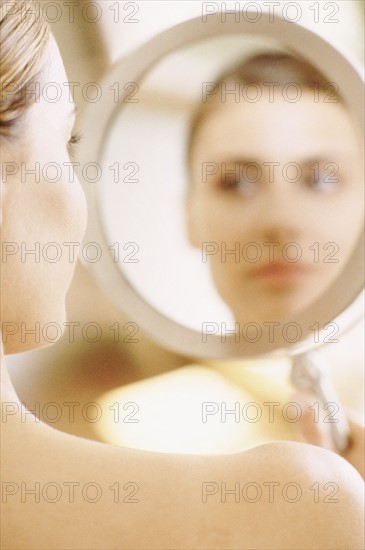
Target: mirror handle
point(308, 373)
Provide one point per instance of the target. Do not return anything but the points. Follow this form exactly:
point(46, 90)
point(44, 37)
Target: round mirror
point(227, 199)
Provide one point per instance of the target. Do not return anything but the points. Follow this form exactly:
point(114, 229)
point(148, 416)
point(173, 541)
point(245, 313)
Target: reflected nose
point(280, 213)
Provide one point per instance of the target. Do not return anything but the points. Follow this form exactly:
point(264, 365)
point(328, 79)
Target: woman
point(60, 491)
point(277, 186)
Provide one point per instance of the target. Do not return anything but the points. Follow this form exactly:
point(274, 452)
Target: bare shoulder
point(309, 497)
point(275, 496)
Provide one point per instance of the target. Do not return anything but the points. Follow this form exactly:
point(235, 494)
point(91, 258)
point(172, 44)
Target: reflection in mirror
point(237, 184)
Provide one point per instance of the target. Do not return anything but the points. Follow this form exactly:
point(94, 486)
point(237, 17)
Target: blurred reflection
point(239, 195)
point(275, 200)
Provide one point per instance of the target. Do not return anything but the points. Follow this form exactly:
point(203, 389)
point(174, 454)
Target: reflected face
point(42, 211)
point(275, 201)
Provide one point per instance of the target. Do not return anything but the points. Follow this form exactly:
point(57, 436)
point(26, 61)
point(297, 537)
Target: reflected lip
point(281, 271)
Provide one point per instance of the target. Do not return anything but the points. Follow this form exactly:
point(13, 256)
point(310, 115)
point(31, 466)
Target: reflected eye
point(323, 178)
point(242, 179)
point(74, 140)
point(241, 185)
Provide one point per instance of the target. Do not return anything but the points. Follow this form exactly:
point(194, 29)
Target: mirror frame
point(342, 303)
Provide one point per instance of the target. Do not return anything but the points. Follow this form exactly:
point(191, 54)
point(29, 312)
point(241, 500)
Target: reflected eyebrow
point(339, 159)
point(240, 160)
